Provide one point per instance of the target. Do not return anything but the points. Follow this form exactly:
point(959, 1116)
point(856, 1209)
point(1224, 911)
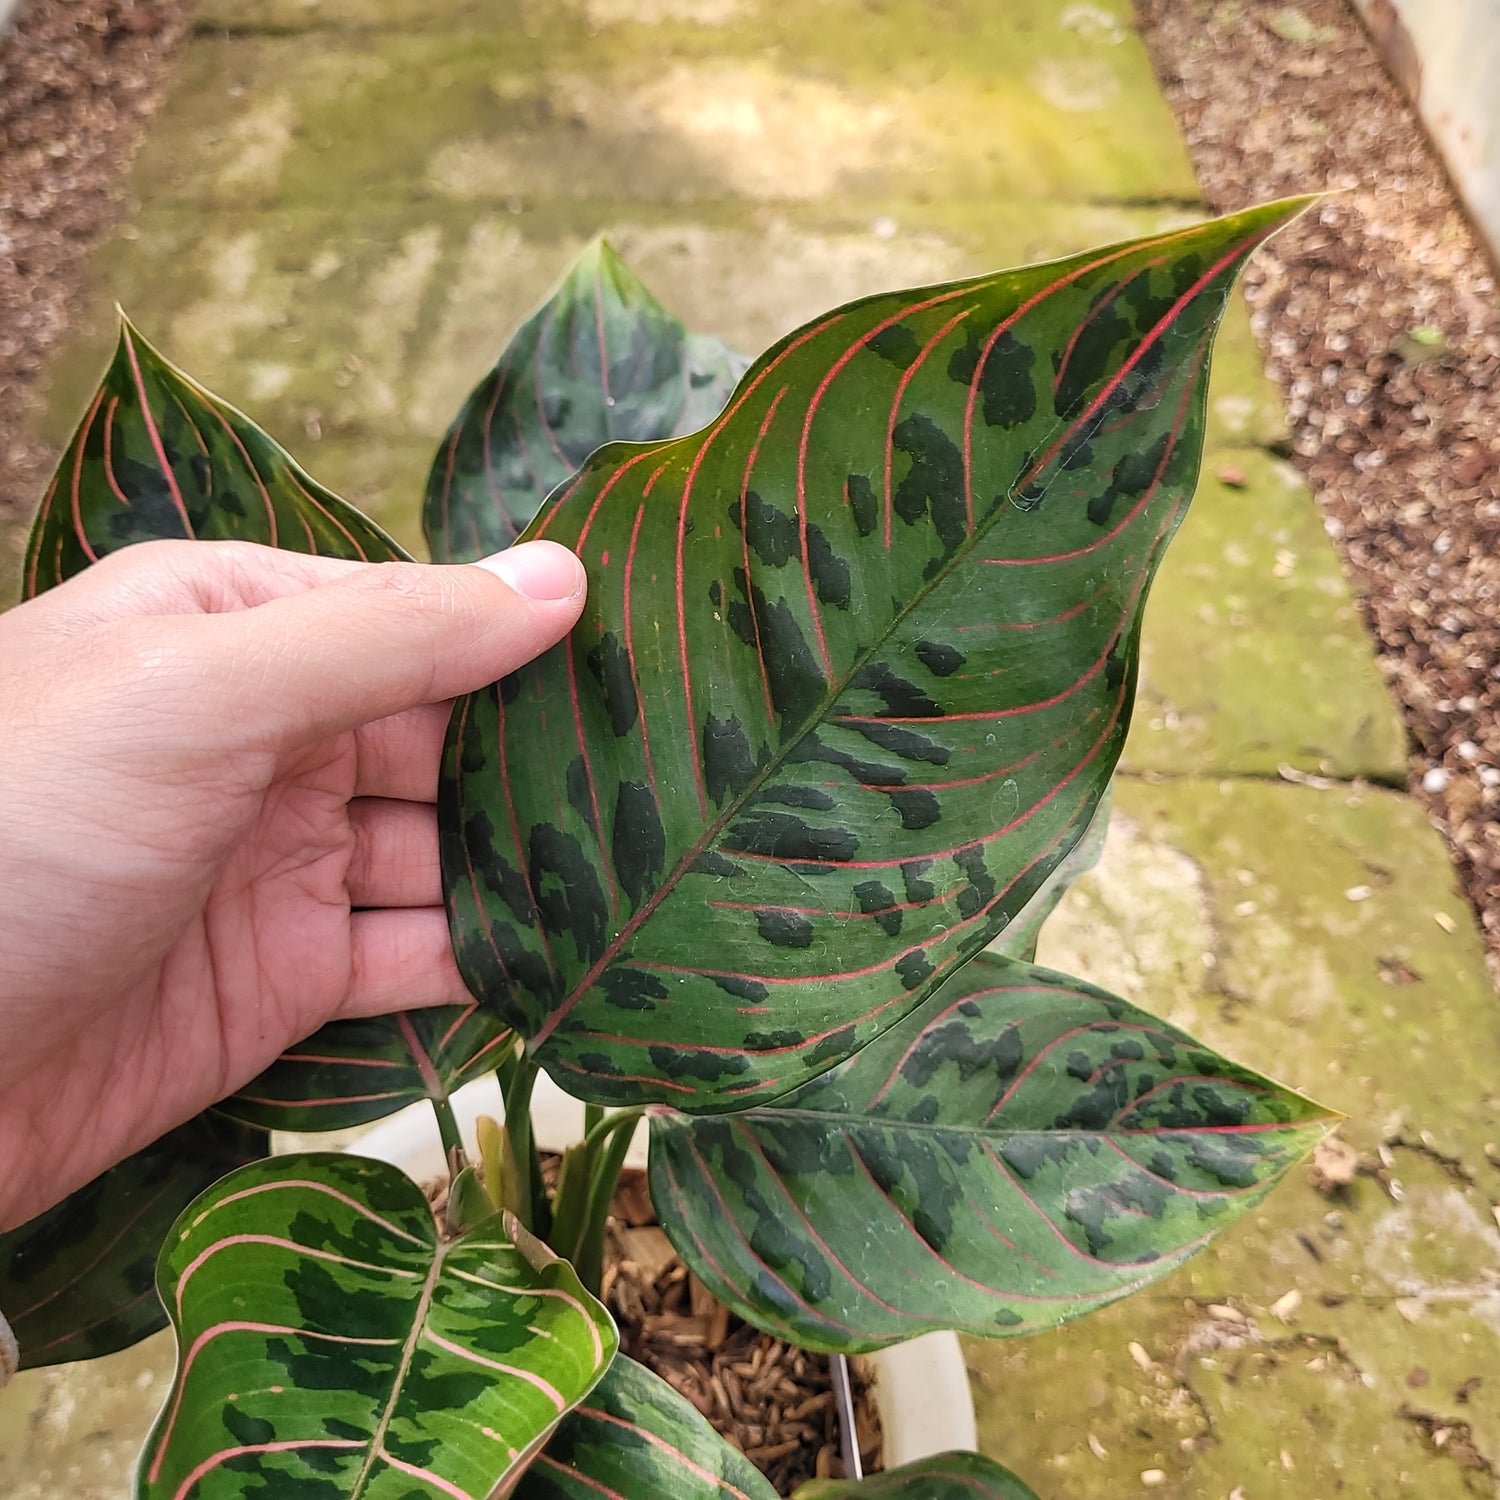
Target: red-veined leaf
point(1022, 1149)
point(352, 1072)
point(634, 1438)
point(855, 669)
point(601, 360)
point(80, 1280)
point(330, 1344)
point(157, 456)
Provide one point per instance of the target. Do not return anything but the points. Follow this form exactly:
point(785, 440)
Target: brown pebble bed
point(1379, 320)
point(78, 81)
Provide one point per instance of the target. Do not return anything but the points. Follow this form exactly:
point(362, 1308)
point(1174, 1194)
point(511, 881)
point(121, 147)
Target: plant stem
point(505, 1069)
point(452, 1136)
point(606, 1124)
point(593, 1117)
point(518, 1127)
point(588, 1261)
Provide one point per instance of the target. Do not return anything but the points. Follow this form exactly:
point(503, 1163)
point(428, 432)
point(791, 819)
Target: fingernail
point(540, 570)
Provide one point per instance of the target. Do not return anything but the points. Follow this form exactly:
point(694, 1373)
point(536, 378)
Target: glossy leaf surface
point(80, 1280)
point(855, 669)
point(330, 1345)
point(1021, 1150)
point(601, 360)
point(157, 456)
point(352, 1072)
point(634, 1438)
point(946, 1476)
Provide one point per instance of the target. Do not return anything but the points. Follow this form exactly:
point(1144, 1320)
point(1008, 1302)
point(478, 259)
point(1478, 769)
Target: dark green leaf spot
point(940, 659)
point(879, 901)
point(933, 484)
point(728, 761)
point(632, 989)
point(918, 809)
point(639, 844)
point(784, 929)
point(1006, 384)
point(901, 698)
point(1132, 477)
point(903, 741)
point(568, 894)
point(610, 664)
point(786, 836)
point(914, 969)
point(862, 504)
point(898, 344)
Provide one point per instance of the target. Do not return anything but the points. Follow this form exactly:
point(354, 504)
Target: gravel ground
point(1378, 315)
point(78, 80)
point(1379, 319)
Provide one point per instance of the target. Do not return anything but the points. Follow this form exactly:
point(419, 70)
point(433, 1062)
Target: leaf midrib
point(419, 1322)
point(681, 1121)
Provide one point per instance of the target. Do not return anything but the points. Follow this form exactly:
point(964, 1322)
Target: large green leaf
point(856, 666)
point(635, 1438)
point(352, 1072)
point(601, 360)
point(80, 1280)
point(946, 1476)
point(158, 456)
point(330, 1345)
point(1022, 1149)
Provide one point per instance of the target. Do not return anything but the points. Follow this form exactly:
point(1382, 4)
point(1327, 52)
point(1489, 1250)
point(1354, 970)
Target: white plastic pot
point(921, 1387)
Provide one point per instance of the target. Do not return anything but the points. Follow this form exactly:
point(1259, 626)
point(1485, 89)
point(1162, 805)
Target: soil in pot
point(773, 1401)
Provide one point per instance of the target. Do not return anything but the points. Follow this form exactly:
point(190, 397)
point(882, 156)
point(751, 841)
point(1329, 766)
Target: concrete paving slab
point(792, 102)
point(73, 1432)
point(1254, 656)
point(1305, 932)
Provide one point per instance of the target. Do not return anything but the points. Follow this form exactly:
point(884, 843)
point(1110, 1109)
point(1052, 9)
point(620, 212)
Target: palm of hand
point(239, 921)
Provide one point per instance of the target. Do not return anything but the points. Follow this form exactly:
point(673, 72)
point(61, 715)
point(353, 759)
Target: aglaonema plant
point(758, 854)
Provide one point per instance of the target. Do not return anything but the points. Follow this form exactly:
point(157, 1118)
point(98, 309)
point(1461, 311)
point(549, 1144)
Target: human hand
point(218, 778)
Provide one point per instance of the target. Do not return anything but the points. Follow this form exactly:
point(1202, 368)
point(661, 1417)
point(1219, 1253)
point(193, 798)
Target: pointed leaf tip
point(1022, 1149)
point(600, 361)
point(156, 455)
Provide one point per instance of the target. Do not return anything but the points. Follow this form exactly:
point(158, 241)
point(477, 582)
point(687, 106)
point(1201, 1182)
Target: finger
point(400, 756)
point(172, 577)
point(395, 860)
point(384, 639)
point(402, 960)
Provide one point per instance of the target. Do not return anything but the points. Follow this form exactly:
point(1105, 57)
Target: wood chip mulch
point(772, 1401)
point(78, 80)
point(1379, 319)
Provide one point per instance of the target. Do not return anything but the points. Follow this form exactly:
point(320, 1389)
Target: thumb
point(381, 639)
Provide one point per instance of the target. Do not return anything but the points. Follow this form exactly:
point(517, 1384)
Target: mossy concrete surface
point(1341, 1340)
point(346, 205)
